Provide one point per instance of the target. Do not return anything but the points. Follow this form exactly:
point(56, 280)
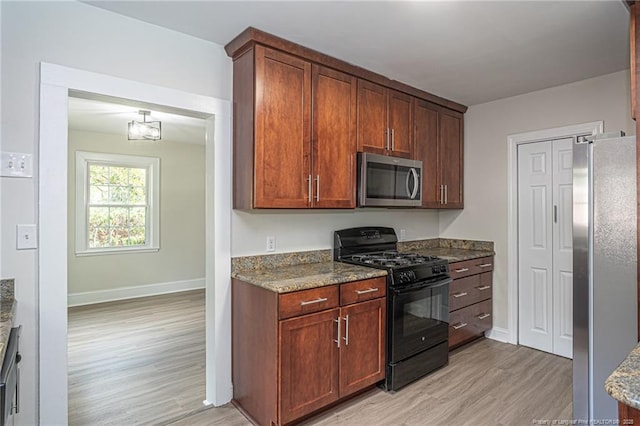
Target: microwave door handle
point(415, 183)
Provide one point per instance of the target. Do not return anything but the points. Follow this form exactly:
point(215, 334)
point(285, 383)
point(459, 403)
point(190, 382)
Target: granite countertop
point(624, 383)
point(7, 313)
point(305, 276)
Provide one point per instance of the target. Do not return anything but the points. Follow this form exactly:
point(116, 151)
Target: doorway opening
point(136, 265)
point(517, 145)
point(57, 84)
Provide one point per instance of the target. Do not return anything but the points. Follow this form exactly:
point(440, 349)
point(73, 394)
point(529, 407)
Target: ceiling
point(106, 116)
point(470, 52)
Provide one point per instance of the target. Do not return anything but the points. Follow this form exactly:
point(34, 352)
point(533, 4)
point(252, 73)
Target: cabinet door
point(309, 359)
point(426, 150)
point(282, 130)
point(372, 118)
point(401, 124)
point(362, 352)
point(450, 151)
point(334, 138)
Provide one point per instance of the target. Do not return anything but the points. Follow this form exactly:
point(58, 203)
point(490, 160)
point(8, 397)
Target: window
point(117, 203)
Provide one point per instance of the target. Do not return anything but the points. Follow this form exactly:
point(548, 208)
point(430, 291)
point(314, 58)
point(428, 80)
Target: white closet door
point(563, 248)
point(535, 245)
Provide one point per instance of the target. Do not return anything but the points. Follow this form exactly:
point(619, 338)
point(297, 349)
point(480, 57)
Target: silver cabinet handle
point(338, 321)
point(462, 270)
point(346, 330)
point(441, 194)
point(386, 135)
point(460, 294)
point(317, 188)
point(369, 290)
point(484, 287)
point(311, 302)
point(393, 140)
point(483, 316)
point(485, 265)
point(446, 194)
point(309, 189)
point(460, 325)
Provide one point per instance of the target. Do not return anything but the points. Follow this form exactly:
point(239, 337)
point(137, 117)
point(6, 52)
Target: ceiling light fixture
point(145, 130)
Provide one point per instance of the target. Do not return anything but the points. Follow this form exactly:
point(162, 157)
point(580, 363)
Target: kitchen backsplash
point(446, 243)
point(7, 289)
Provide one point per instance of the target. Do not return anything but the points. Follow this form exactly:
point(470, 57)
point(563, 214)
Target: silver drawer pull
point(460, 294)
point(460, 325)
point(483, 316)
point(369, 290)
point(338, 321)
point(311, 302)
point(462, 270)
point(484, 287)
point(485, 265)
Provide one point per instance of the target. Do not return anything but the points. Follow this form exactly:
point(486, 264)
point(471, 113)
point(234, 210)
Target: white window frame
point(152, 223)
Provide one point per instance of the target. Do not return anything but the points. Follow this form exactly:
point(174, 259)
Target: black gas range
point(417, 301)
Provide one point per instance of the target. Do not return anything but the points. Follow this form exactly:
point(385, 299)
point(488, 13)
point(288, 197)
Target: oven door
point(419, 318)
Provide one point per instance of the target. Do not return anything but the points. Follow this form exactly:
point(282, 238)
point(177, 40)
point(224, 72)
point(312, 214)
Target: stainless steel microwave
point(388, 181)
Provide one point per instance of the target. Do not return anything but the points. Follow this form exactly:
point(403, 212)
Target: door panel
point(334, 138)
point(545, 257)
point(563, 247)
point(282, 138)
point(372, 118)
point(308, 364)
point(401, 121)
point(426, 150)
point(535, 266)
point(450, 151)
point(362, 354)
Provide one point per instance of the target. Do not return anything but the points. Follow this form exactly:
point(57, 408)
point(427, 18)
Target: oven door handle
point(438, 284)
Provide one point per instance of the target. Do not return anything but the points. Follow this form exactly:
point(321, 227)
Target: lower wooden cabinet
point(470, 300)
point(286, 367)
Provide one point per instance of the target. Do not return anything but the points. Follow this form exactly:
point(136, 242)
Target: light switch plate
point(26, 237)
point(403, 234)
point(16, 164)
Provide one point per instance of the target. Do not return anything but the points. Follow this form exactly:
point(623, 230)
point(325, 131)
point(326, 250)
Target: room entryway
point(545, 263)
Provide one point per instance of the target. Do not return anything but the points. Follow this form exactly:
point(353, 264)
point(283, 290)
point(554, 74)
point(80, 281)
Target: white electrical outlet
point(403, 234)
point(271, 243)
point(26, 237)
point(16, 164)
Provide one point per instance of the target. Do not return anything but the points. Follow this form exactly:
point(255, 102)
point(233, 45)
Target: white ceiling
point(466, 51)
point(103, 116)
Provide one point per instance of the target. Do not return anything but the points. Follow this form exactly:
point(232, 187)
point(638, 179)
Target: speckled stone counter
point(449, 249)
point(624, 383)
point(286, 279)
point(7, 312)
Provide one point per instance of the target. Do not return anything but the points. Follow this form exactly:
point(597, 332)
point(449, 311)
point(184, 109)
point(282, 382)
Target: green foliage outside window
point(117, 206)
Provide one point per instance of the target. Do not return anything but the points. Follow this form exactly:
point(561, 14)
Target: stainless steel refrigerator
point(604, 268)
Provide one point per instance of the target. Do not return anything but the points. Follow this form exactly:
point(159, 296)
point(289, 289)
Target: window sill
point(100, 252)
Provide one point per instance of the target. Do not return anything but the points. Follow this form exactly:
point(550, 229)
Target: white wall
point(182, 224)
point(79, 36)
point(486, 129)
point(298, 230)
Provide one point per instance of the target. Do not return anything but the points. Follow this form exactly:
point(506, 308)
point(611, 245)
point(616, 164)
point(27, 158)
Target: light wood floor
point(136, 362)
point(485, 383)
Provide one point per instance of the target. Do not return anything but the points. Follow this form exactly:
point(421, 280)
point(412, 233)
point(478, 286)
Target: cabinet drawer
point(359, 291)
point(469, 290)
point(470, 322)
point(307, 301)
point(471, 267)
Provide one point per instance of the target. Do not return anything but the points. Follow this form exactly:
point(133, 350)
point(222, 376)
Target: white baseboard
point(499, 334)
point(100, 296)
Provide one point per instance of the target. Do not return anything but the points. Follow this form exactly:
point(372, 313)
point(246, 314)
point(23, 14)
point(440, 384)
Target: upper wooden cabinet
point(300, 117)
point(384, 120)
point(439, 145)
point(294, 133)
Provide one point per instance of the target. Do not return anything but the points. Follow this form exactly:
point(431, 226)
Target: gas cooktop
point(391, 259)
